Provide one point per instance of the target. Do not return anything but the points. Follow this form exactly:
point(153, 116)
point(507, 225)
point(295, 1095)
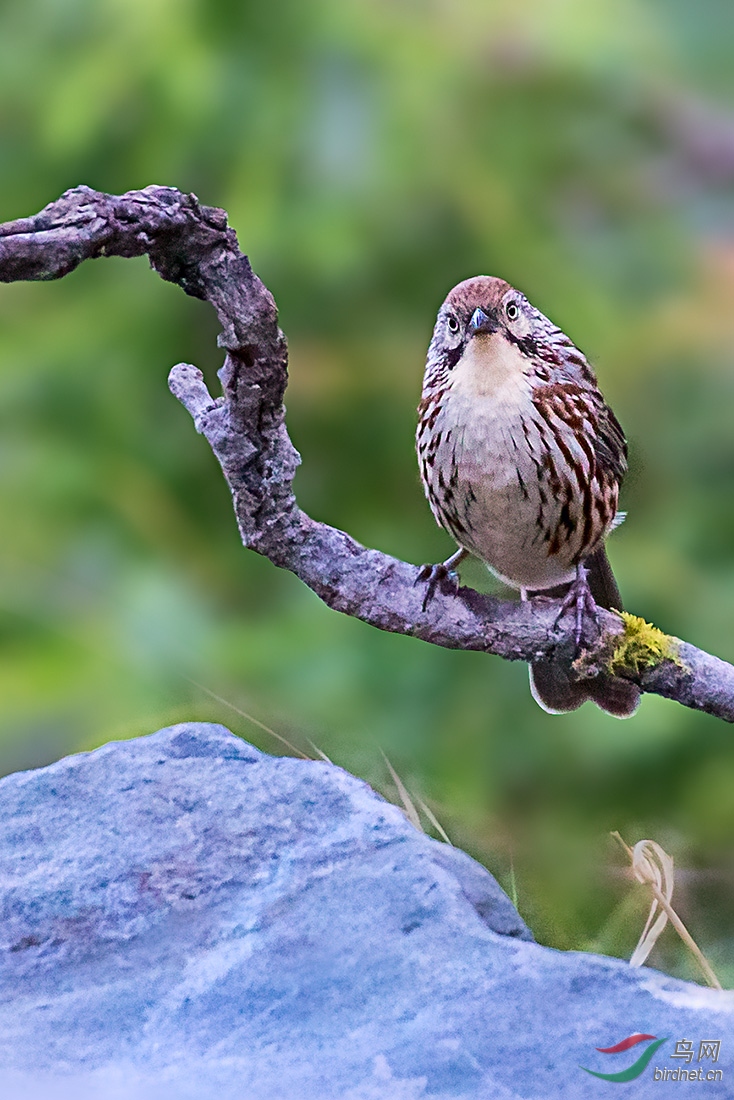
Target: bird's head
point(487, 313)
point(487, 334)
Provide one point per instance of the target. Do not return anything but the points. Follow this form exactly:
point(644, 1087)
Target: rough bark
point(191, 245)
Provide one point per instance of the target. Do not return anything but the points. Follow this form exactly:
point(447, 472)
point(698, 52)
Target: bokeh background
point(370, 154)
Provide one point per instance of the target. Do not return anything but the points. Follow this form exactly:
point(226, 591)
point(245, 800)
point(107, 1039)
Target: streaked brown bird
point(521, 460)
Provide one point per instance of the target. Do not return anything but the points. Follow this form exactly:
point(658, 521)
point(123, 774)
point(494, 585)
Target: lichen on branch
point(641, 646)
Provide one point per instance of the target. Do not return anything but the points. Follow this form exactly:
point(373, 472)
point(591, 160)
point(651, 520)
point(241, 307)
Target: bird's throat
point(491, 366)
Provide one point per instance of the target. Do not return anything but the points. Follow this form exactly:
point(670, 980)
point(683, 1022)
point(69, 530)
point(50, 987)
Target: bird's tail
point(550, 681)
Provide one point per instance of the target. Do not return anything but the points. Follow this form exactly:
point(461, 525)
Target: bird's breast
point(485, 480)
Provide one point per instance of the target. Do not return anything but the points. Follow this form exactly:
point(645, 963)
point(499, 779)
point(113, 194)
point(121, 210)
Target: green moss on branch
point(641, 646)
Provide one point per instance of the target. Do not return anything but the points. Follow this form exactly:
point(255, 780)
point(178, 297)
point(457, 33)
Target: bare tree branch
point(191, 245)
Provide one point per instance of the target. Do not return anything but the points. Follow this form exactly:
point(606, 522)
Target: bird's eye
point(453, 324)
point(512, 311)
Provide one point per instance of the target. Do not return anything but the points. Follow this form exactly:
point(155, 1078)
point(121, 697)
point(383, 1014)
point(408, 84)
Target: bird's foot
point(579, 598)
point(442, 576)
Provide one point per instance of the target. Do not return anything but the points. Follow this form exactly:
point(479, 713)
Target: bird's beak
point(481, 322)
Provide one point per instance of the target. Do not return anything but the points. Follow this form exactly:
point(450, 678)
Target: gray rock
point(186, 917)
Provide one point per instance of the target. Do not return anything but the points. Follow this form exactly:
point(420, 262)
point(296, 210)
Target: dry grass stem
point(408, 804)
point(653, 867)
point(255, 721)
point(434, 821)
point(319, 752)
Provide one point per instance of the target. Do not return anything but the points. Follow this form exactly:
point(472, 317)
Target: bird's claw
point(437, 576)
point(579, 598)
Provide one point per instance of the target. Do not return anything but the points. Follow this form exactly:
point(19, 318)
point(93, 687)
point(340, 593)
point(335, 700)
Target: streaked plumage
point(520, 456)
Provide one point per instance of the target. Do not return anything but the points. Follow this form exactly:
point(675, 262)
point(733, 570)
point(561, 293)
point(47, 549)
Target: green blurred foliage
point(370, 154)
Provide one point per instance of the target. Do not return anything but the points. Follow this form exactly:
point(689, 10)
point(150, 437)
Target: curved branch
point(191, 245)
